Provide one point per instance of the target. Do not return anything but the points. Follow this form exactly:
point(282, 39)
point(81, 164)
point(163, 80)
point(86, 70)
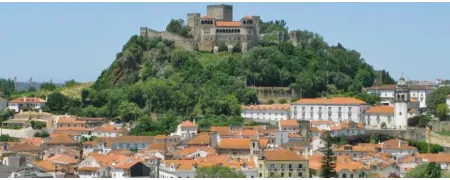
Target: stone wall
point(438, 126)
point(19, 133)
point(186, 43)
point(276, 93)
point(409, 134)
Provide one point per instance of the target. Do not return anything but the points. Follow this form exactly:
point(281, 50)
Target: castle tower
point(401, 101)
point(254, 146)
point(220, 12)
point(193, 21)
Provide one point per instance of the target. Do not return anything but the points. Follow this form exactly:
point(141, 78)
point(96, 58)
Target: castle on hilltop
point(215, 29)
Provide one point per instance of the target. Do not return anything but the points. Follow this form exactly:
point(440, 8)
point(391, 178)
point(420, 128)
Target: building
point(357, 151)
point(3, 104)
point(346, 167)
point(186, 130)
point(26, 104)
point(348, 128)
point(113, 166)
point(336, 109)
point(386, 93)
point(398, 148)
point(322, 124)
point(266, 113)
point(69, 121)
point(290, 126)
point(283, 163)
point(128, 142)
point(215, 29)
point(382, 117)
point(380, 163)
point(401, 101)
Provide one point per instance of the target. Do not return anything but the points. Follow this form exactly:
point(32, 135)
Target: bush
point(41, 134)
point(282, 101)
point(422, 147)
point(270, 101)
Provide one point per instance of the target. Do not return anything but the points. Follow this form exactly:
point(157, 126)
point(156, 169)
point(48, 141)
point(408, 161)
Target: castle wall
point(186, 43)
point(220, 12)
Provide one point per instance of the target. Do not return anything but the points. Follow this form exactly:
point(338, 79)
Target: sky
point(62, 41)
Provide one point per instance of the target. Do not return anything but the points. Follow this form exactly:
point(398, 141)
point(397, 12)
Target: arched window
point(403, 97)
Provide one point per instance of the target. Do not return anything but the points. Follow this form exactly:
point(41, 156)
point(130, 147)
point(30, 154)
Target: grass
point(444, 133)
point(211, 59)
point(73, 92)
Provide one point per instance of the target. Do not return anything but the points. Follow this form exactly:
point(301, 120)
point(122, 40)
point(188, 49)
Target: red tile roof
point(187, 124)
point(381, 110)
point(332, 101)
point(234, 143)
point(267, 107)
point(288, 123)
point(228, 23)
point(248, 17)
point(27, 100)
point(283, 155)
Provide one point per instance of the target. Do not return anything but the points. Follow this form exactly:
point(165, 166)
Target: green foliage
point(6, 87)
point(425, 170)
point(134, 149)
point(273, 26)
point(438, 96)
point(270, 101)
point(422, 147)
point(362, 138)
point(128, 111)
point(218, 171)
point(442, 111)
point(7, 138)
point(38, 124)
point(419, 121)
point(282, 101)
point(48, 86)
point(177, 26)
point(71, 83)
point(6, 114)
point(329, 159)
point(41, 134)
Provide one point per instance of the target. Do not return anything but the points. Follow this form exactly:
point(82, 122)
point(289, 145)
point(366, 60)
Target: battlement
point(186, 43)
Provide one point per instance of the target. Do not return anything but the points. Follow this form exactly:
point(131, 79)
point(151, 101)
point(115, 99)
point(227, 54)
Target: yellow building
point(283, 163)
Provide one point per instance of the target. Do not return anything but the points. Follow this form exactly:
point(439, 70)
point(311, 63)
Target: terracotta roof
point(292, 135)
point(187, 124)
point(125, 152)
point(392, 87)
point(123, 129)
point(412, 111)
point(413, 99)
point(92, 169)
point(105, 128)
point(200, 139)
point(189, 150)
point(107, 160)
point(346, 125)
point(397, 144)
point(267, 107)
point(362, 147)
point(62, 158)
point(160, 137)
point(222, 130)
point(332, 101)
point(69, 120)
point(314, 129)
point(61, 139)
point(207, 17)
point(263, 142)
point(234, 143)
point(47, 166)
point(29, 147)
point(72, 129)
point(315, 162)
point(34, 140)
point(288, 123)
point(318, 122)
point(228, 23)
point(128, 165)
point(245, 132)
point(248, 17)
point(381, 110)
point(27, 100)
point(437, 158)
point(346, 163)
point(260, 127)
point(134, 139)
point(283, 155)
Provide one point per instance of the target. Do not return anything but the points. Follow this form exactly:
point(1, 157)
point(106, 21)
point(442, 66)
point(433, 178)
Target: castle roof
point(248, 17)
point(228, 23)
point(208, 17)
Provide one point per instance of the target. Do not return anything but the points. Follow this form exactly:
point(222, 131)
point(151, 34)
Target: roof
point(381, 110)
point(288, 123)
point(34, 140)
point(234, 143)
point(292, 135)
point(128, 165)
point(187, 124)
point(207, 17)
point(105, 128)
point(397, 144)
point(28, 100)
point(72, 129)
point(26, 146)
point(107, 160)
point(189, 150)
point(45, 165)
point(437, 158)
point(283, 155)
point(362, 147)
point(248, 17)
point(134, 139)
point(315, 162)
point(61, 139)
point(263, 142)
point(346, 163)
point(222, 130)
point(92, 169)
point(228, 23)
point(160, 145)
point(332, 101)
point(267, 107)
point(393, 86)
point(200, 139)
point(69, 120)
point(245, 132)
point(62, 158)
point(412, 111)
point(346, 125)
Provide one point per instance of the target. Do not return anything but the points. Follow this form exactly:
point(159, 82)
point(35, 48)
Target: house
point(69, 121)
point(186, 129)
point(335, 109)
point(380, 163)
point(130, 169)
point(348, 128)
point(386, 93)
point(62, 139)
point(111, 165)
point(26, 104)
point(317, 143)
point(16, 123)
point(290, 126)
point(266, 113)
point(357, 151)
point(76, 132)
point(49, 168)
point(345, 167)
point(398, 148)
point(382, 117)
point(322, 124)
point(196, 152)
point(106, 130)
point(3, 104)
point(102, 145)
point(187, 168)
point(92, 122)
point(412, 160)
point(237, 147)
point(283, 163)
point(128, 142)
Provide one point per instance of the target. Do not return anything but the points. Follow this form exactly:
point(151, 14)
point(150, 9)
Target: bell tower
point(401, 101)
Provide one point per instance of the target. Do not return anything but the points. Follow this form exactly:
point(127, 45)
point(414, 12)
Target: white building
point(348, 128)
point(401, 104)
point(323, 124)
point(128, 142)
point(336, 109)
point(382, 117)
point(290, 126)
point(398, 148)
point(266, 113)
point(186, 130)
point(26, 103)
point(448, 101)
point(3, 104)
point(386, 93)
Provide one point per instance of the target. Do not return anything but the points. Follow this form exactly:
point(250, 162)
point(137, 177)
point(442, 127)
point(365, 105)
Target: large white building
point(266, 113)
point(338, 109)
point(26, 103)
point(386, 93)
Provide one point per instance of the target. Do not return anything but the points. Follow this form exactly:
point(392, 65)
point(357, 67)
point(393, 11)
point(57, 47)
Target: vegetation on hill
point(217, 171)
point(438, 96)
point(425, 170)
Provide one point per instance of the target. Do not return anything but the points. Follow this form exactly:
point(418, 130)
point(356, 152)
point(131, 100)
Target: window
point(344, 175)
point(300, 166)
point(282, 174)
point(300, 174)
point(260, 174)
point(289, 174)
point(252, 176)
point(351, 175)
point(260, 166)
point(290, 166)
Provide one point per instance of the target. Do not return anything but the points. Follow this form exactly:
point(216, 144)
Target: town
point(162, 117)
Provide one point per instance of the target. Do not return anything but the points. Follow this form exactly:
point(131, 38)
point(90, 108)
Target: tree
point(47, 86)
point(425, 170)
point(128, 111)
point(56, 102)
point(177, 26)
point(329, 159)
point(438, 96)
point(442, 111)
point(218, 171)
point(270, 101)
point(71, 83)
point(393, 175)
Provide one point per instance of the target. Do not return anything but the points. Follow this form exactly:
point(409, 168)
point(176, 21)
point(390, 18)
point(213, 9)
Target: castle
point(215, 29)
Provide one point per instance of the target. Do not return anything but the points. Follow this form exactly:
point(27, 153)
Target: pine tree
point(328, 160)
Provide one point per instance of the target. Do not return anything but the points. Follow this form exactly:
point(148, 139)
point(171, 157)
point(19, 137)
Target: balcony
point(290, 170)
point(299, 169)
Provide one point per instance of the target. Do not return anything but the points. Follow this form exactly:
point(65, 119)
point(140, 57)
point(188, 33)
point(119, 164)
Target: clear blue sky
point(62, 41)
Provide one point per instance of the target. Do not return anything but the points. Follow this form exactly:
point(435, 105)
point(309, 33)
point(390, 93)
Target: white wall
point(388, 95)
point(356, 112)
point(19, 133)
point(374, 121)
point(269, 115)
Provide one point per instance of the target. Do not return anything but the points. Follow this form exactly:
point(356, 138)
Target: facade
point(128, 142)
point(290, 126)
point(266, 113)
point(401, 101)
point(335, 109)
point(398, 148)
point(386, 93)
point(283, 163)
point(215, 29)
point(348, 128)
point(69, 121)
point(26, 104)
point(186, 130)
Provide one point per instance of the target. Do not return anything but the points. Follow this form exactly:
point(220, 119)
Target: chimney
point(24, 99)
point(113, 163)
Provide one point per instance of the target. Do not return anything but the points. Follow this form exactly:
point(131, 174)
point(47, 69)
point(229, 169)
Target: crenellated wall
point(186, 43)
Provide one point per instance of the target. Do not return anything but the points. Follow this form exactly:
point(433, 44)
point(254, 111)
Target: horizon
point(78, 41)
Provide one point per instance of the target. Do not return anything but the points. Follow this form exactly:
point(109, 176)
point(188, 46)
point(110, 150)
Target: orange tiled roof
point(413, 99)
point(248, 17)
point(105, 128)
point(222, 130)
point(314, 129)
point(72, 129)
point(437, 158)
point(200, 139)
point(92, 169)
point(62, 158)
point(397, 144)
point(315, 162)
point(160, 137)
point(189, 150)
point(187, 124)
point(128, 165)
point(34, 140)
point(27, 100)
point(69, 120)
point(332, 101)
point(283, 155)
point(61, 139)
point(346, 125)
point(245, 132)
point(228, 23)
point(26, 146)
point(263, 142)
point(47, 166)
point(207, 17)
point(292, 135)
point(381, 110)
point(288, 123)
point(267, 107)
point(362, 147)
point(412, 111)
point(234, 143)
point(346, 163)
